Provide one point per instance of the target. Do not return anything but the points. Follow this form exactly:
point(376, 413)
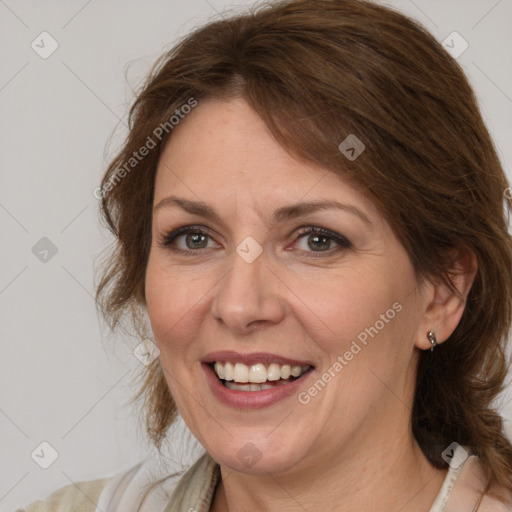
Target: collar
point(196, 487)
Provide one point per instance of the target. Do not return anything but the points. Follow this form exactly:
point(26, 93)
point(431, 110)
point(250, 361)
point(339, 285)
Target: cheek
point(168, 299)
point(177, 302)
point(367, 318)
point(339, 308)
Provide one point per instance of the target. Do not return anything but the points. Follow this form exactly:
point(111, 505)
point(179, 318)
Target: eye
point(321, 240)
point(192, 239)
point(187, 239)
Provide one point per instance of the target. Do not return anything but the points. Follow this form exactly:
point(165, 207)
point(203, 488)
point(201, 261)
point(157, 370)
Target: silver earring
point(431, 335)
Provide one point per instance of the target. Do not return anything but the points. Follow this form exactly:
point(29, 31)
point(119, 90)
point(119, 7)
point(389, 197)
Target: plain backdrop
point(63, 381)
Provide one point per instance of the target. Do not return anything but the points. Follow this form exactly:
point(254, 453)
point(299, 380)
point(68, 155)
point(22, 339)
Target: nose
point(248, 296)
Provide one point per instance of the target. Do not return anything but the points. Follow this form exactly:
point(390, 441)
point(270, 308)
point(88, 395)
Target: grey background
point(63, 380)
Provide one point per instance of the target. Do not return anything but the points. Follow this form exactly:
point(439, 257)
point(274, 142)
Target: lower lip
point(251, 399)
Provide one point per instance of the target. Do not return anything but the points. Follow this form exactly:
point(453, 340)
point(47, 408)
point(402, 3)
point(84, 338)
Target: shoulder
point(466, 488)
point(472, 488)
point(496, 499)
point(155, 483)
point(80, 497)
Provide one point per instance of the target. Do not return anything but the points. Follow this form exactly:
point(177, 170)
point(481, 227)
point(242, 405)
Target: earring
point(432, 338)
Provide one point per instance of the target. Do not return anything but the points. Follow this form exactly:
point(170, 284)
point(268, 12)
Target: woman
point(310, 211)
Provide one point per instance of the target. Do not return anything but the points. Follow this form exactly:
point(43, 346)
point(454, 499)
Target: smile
point(256, 377)
point(254, 380)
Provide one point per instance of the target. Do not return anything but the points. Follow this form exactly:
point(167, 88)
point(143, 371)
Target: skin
point(351, 447)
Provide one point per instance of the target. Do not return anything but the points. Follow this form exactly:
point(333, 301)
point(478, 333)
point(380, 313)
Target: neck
point(388, 477)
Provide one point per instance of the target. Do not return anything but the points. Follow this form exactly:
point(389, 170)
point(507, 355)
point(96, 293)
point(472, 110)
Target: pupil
point(315, 238)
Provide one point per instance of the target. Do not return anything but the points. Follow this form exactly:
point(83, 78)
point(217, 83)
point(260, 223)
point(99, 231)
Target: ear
point(443, 307)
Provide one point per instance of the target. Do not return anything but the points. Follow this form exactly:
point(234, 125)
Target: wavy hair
point(316, 71)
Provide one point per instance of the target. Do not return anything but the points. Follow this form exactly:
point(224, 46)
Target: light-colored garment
point(193, 490)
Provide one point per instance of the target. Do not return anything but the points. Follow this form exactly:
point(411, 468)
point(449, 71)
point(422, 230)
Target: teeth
point(228, 371)
point(257, 373)
point(274, 372)
point(241, 373)
point(295, 371)
point(286, 371)
point(248, 387)
point(219, 370)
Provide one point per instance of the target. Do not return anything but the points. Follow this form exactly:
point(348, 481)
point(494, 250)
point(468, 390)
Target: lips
point(240, 391)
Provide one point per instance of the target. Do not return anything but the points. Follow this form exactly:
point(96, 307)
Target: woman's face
point(264, 276)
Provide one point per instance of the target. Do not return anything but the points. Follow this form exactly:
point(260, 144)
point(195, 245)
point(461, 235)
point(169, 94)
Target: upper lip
point(252, 358)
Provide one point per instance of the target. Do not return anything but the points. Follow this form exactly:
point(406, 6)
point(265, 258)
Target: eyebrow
point(280, 215)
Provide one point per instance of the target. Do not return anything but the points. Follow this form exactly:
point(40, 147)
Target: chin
point(258, 455)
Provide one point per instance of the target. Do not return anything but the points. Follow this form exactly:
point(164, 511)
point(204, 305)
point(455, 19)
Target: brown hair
point(317, 71)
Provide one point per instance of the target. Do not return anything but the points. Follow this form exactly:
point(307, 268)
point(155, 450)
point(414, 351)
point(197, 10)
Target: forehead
point(228, 140)
point(224, 149)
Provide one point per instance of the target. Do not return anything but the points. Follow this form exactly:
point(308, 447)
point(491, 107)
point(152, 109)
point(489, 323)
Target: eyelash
point(169, 239)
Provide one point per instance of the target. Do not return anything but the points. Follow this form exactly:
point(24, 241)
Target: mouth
point(257, 377)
